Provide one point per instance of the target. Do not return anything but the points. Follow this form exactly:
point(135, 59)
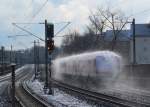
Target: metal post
point(2, 48)
point(46, 57)
point(16, 59)
point(134, 43)
point(35, 70)
point(11, 55)
point(50, 75)
point(13, 84)
point(21, 57)
point(38, 58)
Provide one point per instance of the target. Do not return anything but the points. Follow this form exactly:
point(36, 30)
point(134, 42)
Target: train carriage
point(88, 70)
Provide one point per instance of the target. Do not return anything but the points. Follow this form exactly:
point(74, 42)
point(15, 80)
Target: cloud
point(76, 11)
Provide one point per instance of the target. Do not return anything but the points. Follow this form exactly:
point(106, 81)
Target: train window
point(100, 62)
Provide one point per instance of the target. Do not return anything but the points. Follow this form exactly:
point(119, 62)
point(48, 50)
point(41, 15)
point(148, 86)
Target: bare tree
point(107, 19)
point(69, 40)
point(93, 39)
point(97, 23)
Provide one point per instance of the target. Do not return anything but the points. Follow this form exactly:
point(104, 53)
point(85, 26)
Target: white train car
point(95, 68)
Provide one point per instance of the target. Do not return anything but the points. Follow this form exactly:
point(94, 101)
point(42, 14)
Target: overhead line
point(36, 13)
point(40, 9)
point(62, 29)
point(39, 22)
point(28, 32)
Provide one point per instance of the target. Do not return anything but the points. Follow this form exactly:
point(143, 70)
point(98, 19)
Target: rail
point(32, 94)
point(95, 96)
point(24, 96)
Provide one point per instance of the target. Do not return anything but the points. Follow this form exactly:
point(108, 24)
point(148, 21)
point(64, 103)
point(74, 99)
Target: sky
point(58, 12)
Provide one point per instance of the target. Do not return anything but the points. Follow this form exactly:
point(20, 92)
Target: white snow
point(36, 86)
point(17, 71)
point(3, 99)
point(59, 99)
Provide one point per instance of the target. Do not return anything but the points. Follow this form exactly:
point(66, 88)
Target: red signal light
point(50, 46)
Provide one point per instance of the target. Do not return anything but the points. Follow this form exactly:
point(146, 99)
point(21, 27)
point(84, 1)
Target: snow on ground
point(4, 99)
point(59, 99)
point(2, 83)
point(17, 71)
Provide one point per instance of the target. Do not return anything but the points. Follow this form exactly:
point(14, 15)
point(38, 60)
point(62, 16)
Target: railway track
point(5, 96)
point(7, 77)
point(134, 94)
point(99, 97)
point(25, 97)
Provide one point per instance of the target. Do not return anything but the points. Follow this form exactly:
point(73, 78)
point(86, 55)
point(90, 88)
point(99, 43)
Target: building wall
point(142, 46)
point(121, 47)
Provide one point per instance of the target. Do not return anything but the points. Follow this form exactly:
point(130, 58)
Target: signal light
point(50, 30)
point(50, 46)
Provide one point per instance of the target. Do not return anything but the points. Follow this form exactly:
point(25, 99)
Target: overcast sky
point(56, 11)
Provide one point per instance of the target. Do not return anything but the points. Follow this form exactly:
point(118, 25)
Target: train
point(92, 70)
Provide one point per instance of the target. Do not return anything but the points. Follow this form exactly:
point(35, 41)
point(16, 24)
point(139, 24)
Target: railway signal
point(49, 47)
point(50, 35)
point(50, 30)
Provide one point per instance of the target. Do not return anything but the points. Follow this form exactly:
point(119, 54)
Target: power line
point(28, 23)
point(28, 7)
point(39, 22)
point(134, 14)
point(12, 36)
point(33, 17)
point(62, 29)
point(23, 29)
point(28, 32)
point(40, 9)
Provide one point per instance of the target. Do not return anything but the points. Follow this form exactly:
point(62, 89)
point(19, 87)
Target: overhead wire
point(137, 13)
point(40, 9)
point(34, 16)
point(62, 29)
point(23, 29)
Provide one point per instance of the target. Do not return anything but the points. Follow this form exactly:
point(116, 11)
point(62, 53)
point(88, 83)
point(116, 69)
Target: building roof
point(141, 30)
point(123, 35)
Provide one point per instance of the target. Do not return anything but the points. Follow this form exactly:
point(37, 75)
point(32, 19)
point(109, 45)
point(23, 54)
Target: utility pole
point(13, 84)
point(19, 59)
point(38, 62)
point(134, 42)
point(35, 61)
point(11, 55)
point(16, 58)
point(49, 47)
point(2, 57)
point(46, 58)
point(50, 75)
